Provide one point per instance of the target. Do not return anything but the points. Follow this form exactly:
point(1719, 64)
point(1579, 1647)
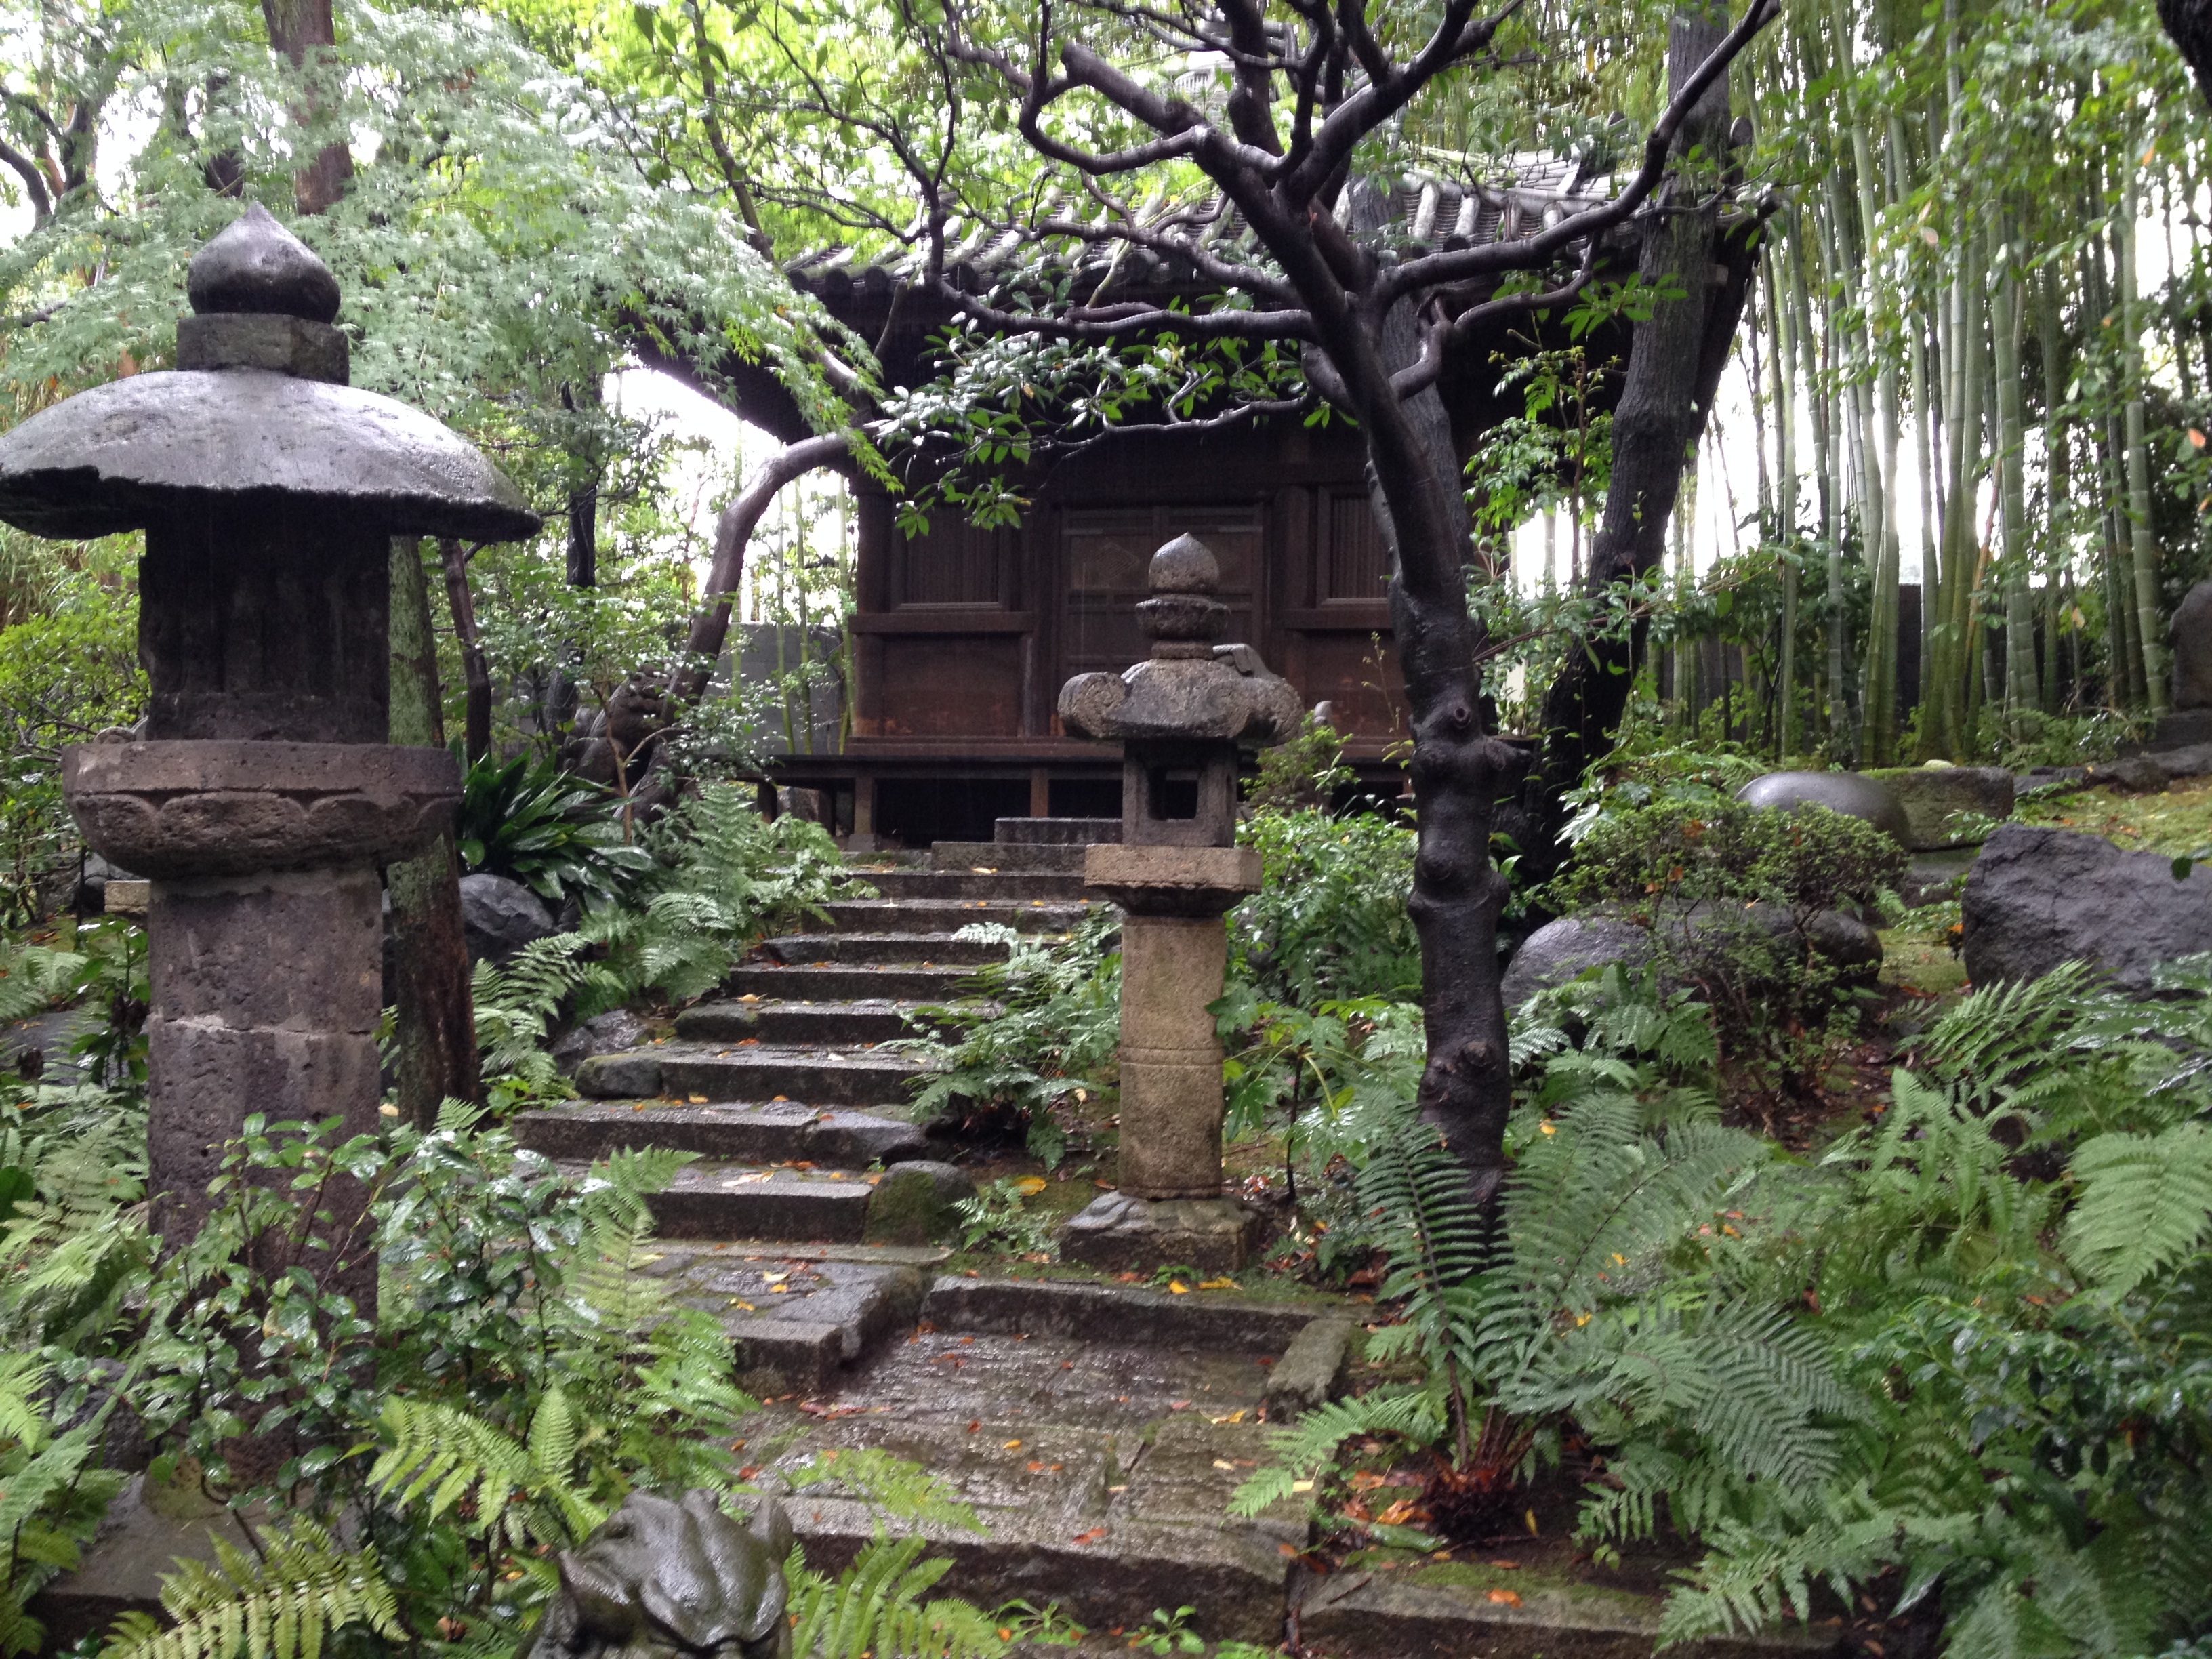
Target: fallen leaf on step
point(975, 1424)
point(1176, 1287)
point(1218, 1285)
point(1218, 1464)
point(1178, 1405)
point(1505, 1598)
point(1036, 1469)
point(1029, 1186)
point(698, 1100)
point(1091, 1537)
point(1012, 1445)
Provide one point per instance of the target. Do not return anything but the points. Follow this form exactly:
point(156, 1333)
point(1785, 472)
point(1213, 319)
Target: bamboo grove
point(1982, 289)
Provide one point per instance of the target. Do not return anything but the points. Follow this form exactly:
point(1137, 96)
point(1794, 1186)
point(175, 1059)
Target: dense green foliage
point(1744, 904)
point(1963, 1353)
point(527, 820)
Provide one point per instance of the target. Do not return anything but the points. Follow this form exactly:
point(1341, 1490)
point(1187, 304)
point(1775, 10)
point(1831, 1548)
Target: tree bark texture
point(1674, 366)
point(435, 1023)
point(476, 670)
point(299, 28)
point(734, 532)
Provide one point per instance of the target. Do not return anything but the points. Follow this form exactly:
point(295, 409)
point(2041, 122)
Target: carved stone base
point(216, 807)
point(1122, 1233)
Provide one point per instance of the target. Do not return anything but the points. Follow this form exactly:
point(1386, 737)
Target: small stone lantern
point(264, 795)
point(1180, 716)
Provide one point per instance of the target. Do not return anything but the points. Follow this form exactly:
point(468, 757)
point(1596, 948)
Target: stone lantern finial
point(257, 266)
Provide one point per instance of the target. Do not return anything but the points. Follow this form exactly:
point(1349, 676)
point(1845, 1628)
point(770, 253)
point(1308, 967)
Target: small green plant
point(999, 1218)
point(1166, 1633)
point(1752, 907)
point(1041, 1027)
point(556, 833)
point(1303, 775)
point(1330, 921)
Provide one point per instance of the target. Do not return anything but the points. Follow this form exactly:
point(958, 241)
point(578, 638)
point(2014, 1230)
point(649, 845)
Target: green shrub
point(1329, 920)
point(1732, 894)
point(1042, 1026)
point(1302, 775)
point(552, 832)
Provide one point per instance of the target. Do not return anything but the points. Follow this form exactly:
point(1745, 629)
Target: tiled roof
point(1426, 212)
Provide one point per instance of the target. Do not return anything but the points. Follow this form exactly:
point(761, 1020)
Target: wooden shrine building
point(963, 637)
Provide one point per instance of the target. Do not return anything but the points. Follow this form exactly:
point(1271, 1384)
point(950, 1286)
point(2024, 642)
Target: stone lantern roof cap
point(136, 451)
point(1190, 690)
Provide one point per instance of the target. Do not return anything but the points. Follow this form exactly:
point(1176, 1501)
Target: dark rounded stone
point(1565, 949)
point(1852, 794)
point(258, 266)
point(501, 916)
point(1851, 947)
point(1185, 565)
point(2038, 898)
point(2191, 633)
point(2138, 774)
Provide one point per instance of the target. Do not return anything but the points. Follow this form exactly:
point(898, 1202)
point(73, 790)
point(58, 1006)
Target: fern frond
point(285, 1605)
point(2146, 1201)
point(875, 1610)
point(1314, 1440)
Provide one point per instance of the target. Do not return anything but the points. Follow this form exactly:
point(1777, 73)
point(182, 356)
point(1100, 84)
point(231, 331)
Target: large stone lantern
point(263, 796)
point(1180, 716)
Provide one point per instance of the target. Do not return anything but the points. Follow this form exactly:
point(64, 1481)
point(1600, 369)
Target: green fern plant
point(880, 1604)
point(285, 1602)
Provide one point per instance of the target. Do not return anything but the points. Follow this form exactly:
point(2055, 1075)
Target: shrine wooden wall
point(965, 635)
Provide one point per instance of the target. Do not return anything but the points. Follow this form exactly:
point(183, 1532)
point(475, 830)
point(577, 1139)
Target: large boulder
point(1854, 795)
point(1935, 797)
point(1563, 950)
point(500, 916)
point(2039, 897)
point(2191, 631)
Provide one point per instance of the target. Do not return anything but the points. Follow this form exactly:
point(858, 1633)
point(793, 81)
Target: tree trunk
point(2020, 691)
point(435, 1025)
point(1674, 365)
point(2142, 538)
point(733, 531)
point(1785, 444)
point(476, 673)
point(296, 28)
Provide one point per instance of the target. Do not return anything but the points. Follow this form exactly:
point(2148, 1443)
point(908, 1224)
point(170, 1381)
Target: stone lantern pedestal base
point(1121, 1232)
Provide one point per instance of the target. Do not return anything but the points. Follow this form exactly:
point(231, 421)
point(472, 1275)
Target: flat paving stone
point(947, 917)
point(977, 882)
point(756, 1133)
point(1100, 1473)
point(712, 1200)
point(904, 982)
point(930, 950)
point(869, 1021)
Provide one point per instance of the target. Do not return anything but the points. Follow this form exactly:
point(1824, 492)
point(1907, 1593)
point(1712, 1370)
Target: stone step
point(812, 1024)
point(583, 1131)
point(930, 950)
point(696, 1074)
point(890, 859)
point(799, 1315)
point(946, 916)
point(1055, 832)
point(959, 856)
point(715, 1199)
point(904, 982)
point(954, 885)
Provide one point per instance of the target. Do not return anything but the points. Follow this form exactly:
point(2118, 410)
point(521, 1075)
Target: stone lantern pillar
point(264, 795)
point(1180, 716)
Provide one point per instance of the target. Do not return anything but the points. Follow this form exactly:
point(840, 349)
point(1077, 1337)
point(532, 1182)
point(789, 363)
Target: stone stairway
point(1097, 1429)
point(798, 1114)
